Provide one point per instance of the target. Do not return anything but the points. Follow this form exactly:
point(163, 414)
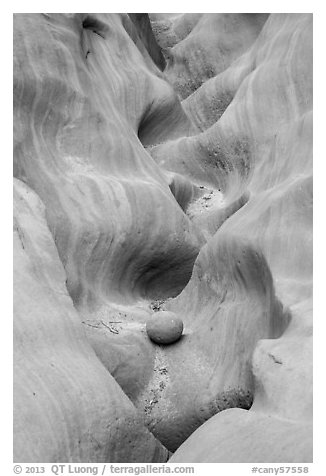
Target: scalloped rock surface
point(164, 327)
point(163, 163)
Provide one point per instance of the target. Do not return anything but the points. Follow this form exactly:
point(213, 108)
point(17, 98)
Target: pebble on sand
point(164, 327)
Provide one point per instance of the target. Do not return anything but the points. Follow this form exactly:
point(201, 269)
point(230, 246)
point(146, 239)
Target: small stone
point(164, 327)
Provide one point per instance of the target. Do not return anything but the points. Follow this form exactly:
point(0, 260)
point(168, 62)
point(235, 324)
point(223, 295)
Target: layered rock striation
point(163, 163)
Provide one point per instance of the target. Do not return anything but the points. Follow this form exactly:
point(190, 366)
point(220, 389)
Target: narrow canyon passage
point(162, 165)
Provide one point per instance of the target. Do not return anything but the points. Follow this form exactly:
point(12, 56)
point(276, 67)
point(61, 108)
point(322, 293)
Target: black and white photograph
point(163, 241)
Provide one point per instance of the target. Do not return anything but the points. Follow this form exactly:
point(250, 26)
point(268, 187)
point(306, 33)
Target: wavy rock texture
point(271, 112)
point(201, 206)
point(216, 40)
point(67, 406)
point(236, 436)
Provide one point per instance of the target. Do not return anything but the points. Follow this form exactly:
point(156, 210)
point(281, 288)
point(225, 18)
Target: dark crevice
point(144, 29)
point(96, 26)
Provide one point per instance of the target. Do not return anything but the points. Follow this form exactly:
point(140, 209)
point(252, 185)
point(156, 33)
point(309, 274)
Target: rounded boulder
point(164, 327)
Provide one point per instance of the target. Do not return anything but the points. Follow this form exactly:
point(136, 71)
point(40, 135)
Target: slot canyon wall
point(163, 162)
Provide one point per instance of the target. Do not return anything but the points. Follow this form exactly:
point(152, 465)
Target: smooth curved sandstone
point(236, 436)
point(66, 406)
point(214, 42)
point(277, 220)
point(84, 158)
point(171, 29)
point(200, 207)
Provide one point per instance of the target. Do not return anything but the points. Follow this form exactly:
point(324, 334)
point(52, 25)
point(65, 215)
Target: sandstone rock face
point(276, 136)
point(163, 163)
point(67, 407)
point(246, 437)
point(164, 327)
point(206, 44)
